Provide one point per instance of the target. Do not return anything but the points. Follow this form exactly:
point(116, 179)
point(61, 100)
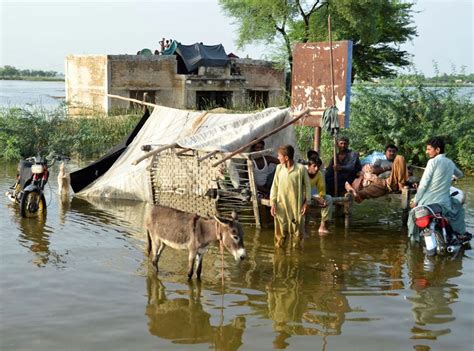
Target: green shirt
point(290, 190)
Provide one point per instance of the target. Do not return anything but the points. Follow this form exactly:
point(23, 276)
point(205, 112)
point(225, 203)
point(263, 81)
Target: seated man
point(347, 167)
point(263, 170)
point(381, 168)
point(434, 188)
point(375, 186)
point(318, 187)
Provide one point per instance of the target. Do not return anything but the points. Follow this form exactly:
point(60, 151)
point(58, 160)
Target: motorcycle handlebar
point(51, 158)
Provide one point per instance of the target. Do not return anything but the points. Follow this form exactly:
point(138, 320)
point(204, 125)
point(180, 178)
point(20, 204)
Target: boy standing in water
point(290, 195)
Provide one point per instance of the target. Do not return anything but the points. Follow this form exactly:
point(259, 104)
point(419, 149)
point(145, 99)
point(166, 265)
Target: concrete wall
point(202, 83)
point(146, 73)
point(262, 75)
point(85, 75)
point(120, 74)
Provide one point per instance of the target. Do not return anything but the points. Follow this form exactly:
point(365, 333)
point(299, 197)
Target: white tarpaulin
point(189, 129)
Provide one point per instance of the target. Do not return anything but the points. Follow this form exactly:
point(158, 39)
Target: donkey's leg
point(159, 250)
point(191, 260)
point(199, 264)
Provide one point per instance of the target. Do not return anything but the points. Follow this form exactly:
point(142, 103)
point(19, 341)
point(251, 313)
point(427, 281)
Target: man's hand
point(273, 210)
point(321, 202)
point(337, 168)
point(304, 208)
point(413, 204)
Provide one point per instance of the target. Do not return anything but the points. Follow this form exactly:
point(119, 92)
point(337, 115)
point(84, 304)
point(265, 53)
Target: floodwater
point(50, 94)
point(80, 280)
point(14, 93)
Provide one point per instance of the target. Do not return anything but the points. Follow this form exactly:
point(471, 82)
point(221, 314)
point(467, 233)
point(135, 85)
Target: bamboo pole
point(333, 104)
point(253, 142)
point(153, 152)
point(205, 157)
point(183, 151)
point(126, 99)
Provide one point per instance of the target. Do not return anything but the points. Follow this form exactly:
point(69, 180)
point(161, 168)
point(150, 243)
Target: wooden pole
point(317, 139)
point(153, 152)
point(333, 104)
point(183, 151)
point(125, 99)
point(205, 157)
point(253, 142)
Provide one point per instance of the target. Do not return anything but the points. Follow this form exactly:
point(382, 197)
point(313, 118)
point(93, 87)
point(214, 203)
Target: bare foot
point(353, 192)
point(323, 229)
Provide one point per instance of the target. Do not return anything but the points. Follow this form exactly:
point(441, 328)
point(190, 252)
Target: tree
point(376, 27)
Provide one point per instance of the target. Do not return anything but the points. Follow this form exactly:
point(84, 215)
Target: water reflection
point(305, 299)
point(34, 234)
point(433, 293)
point(124, 215)
point(179, 316)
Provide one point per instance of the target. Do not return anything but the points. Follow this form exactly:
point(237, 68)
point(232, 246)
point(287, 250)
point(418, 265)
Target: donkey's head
point(232, 235)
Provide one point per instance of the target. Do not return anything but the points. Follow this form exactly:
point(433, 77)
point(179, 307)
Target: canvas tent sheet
point(202, 55)
point(190, 129)
point(83, 177)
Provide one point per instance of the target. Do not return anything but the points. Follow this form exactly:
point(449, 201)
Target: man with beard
point(347, 167)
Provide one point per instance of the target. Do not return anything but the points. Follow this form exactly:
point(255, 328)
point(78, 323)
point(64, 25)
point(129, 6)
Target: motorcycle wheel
point(32, 204)
point(441, 246)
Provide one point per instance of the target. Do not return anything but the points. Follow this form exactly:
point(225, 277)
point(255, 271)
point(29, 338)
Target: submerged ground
point(81, 281)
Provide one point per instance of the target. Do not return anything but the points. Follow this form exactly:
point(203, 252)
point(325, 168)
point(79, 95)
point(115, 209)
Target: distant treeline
point(438, 80)
point(10, 72)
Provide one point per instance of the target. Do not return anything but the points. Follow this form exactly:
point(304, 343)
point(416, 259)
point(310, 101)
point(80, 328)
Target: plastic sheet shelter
point(198, 54)
point(189, 129)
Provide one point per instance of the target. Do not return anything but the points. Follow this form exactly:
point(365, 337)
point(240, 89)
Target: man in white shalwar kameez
point(434, 188)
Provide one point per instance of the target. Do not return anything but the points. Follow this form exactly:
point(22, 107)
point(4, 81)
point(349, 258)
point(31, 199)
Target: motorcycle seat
point(436, 208)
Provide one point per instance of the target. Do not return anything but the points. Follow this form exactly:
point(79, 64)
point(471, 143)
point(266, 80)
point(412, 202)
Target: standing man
point(347, 167)
point(434, 188)
point(289, 197)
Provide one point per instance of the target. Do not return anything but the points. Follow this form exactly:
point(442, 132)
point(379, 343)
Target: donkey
point(181, 230)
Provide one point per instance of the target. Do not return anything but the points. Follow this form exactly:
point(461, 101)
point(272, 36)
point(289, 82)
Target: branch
point(306, 16)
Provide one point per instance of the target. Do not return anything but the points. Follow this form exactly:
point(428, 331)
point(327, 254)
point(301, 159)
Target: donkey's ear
point(235, 216)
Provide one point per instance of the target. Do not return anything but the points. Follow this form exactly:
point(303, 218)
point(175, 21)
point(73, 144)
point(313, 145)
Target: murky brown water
point(80, 281)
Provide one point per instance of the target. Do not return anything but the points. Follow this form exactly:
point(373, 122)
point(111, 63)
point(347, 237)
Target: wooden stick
point(153, 152)
point(333, 104)
point(205, 157)
point(180, 152)
point(253, 142)
point(126, 99)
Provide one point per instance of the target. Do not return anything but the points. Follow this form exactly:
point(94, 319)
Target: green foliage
point(376, 27)
point(409, 115)
point(36, 131)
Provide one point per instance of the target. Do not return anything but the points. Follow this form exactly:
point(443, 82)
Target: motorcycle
point(28, 190)
point(438, 235)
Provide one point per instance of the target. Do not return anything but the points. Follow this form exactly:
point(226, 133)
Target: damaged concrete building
point(195, 76)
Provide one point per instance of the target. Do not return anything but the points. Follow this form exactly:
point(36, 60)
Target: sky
point(35, 34)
